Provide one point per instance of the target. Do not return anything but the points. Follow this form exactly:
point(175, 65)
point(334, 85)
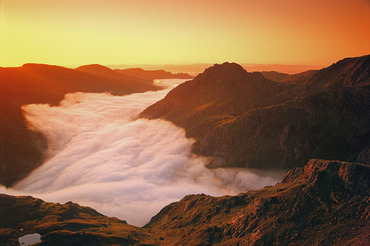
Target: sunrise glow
point(111, 32)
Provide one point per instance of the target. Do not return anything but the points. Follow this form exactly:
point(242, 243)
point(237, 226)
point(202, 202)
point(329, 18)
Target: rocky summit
point(323, 203)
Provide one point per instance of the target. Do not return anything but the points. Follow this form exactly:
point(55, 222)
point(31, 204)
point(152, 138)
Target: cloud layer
point(101, 155)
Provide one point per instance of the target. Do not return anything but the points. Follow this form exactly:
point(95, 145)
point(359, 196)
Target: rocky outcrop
point(243, 119)
point(324, 203)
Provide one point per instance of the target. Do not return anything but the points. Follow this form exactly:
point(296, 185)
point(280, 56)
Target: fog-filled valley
point(100, 154)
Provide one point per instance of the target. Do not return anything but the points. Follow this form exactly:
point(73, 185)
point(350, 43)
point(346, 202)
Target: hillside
point(243, 119)
point(324, 203)
point(22, 149)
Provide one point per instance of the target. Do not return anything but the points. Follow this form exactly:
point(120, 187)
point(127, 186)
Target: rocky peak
point(228, 71)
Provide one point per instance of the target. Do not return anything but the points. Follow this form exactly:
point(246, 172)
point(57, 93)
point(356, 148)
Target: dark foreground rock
point(324, 203)
point(62, 224)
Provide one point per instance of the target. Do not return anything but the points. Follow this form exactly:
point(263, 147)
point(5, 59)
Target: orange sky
point(108, 32)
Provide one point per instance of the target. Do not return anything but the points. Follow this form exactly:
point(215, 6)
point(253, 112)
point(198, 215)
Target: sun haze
point(108, 32)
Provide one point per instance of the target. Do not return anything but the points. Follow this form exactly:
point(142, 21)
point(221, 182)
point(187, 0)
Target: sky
point(111, 32)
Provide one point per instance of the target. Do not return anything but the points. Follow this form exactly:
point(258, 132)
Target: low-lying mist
point(103, 156)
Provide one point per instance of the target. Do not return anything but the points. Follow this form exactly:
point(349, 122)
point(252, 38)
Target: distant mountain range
point(196, 68)
point(249, 120)
point(153, 74)
point(324, 203)
point(22, 149)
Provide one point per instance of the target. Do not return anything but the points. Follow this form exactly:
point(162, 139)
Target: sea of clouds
point(103, 156)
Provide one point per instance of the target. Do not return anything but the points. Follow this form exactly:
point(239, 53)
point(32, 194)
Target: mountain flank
point(247, 120)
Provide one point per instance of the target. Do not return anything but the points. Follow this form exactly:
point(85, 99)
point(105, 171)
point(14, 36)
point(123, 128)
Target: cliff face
point(242, 119)
point(324, 203)
point(21, 149)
